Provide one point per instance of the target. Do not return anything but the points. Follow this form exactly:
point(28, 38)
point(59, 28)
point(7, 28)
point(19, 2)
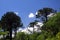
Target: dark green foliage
point(10, 21)
point(33, 36)
point(41, 37)
point(53, 25)
point(44, 12)
point(22, 36)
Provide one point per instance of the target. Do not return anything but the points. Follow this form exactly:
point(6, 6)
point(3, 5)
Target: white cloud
point(40, 23)
point(16, 13)
point(50, 15)
point(36, 13)
point(25, 30)
point(29, 30)
point(31, 15)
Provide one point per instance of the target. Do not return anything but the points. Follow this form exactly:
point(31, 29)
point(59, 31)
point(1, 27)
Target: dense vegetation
point(49, 31)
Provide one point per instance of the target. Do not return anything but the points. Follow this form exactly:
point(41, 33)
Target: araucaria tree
point(45, 12)
point(10, 21)
point(32, 25)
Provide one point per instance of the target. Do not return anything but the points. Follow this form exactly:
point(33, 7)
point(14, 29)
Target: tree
point(44, 12)
point(22, 36)
point(4, 33)
point(53, 25)
point(58, 36)
point(32, 25)
point(41, 37)
point(33, 36)
point(10, 21)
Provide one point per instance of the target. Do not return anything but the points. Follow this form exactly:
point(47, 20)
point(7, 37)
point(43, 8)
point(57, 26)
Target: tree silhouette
point(10, 21)
point(32, 25)
point(45, 12)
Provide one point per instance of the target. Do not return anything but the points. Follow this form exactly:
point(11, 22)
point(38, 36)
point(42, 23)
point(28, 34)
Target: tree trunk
point(46, 18)
point(10, 33)
point(15, 33)
point(33, 30)
point(4, 36)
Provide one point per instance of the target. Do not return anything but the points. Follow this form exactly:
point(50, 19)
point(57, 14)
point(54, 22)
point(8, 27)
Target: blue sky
point(25, 7)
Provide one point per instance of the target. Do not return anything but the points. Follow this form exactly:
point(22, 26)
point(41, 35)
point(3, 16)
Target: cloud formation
point(31, 15)
point(29, 30)
point(50, 15)
point(36, 13)
point(16, 13)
